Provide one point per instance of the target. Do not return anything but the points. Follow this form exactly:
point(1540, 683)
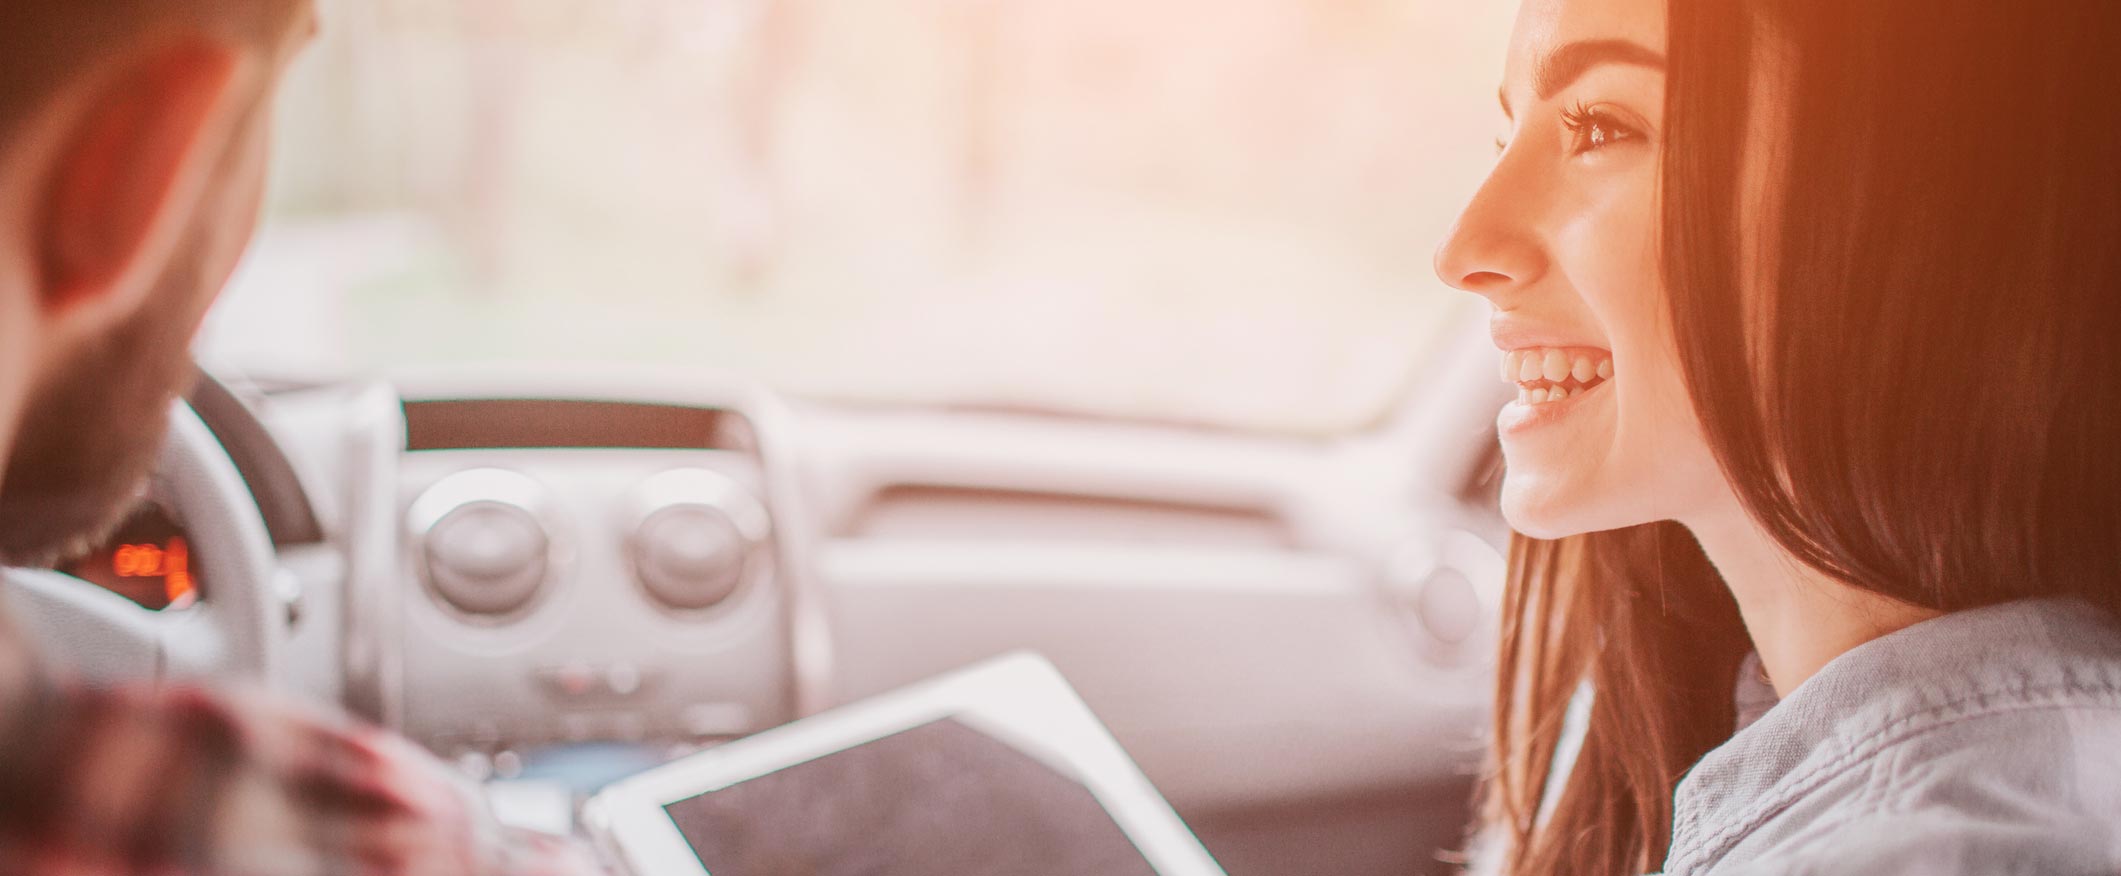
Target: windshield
point(1200, 211)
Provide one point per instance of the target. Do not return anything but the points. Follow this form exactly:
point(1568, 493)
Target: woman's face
point(1562, 241)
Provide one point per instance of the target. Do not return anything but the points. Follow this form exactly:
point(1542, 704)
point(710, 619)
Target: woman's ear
point(129, 173)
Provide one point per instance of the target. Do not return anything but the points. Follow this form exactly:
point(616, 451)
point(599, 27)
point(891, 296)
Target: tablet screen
point(941, 797)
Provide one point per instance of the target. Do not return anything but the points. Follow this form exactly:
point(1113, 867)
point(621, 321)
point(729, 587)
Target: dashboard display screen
point(147, 560)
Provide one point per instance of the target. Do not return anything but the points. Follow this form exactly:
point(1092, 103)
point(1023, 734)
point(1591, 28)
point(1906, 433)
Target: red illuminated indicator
point(171, 563)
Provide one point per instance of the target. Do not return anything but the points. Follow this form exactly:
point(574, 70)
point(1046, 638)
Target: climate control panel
point(556, 595)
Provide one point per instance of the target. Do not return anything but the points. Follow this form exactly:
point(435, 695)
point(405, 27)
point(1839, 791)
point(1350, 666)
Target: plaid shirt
point(174, 781)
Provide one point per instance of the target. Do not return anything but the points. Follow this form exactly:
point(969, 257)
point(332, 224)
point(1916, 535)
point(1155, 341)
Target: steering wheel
point(236, 631)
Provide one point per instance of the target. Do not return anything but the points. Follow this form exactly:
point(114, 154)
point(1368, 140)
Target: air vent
point(458, 424)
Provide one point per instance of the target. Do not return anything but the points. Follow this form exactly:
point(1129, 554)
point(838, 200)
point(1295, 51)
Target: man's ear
point(130, 171)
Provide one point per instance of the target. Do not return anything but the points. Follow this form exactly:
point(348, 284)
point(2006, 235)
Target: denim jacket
point(1982, 742)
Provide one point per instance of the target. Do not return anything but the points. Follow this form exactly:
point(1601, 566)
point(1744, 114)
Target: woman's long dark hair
point(1916, 389)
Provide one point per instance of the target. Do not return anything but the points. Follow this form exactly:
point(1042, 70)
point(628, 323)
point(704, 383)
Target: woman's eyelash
point(1594, 128)
point(1578, 114)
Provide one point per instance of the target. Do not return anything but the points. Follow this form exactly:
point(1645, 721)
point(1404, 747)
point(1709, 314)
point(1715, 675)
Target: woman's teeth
point(1547, 374)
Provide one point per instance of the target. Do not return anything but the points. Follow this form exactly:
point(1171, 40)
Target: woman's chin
point(1540, 510)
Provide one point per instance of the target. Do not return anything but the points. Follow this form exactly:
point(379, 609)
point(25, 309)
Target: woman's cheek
point(1654, 460)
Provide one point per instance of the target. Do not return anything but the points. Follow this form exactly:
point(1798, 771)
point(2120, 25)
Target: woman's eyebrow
point(1570, 61)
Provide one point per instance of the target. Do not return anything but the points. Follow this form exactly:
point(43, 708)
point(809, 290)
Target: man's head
point(132, 156)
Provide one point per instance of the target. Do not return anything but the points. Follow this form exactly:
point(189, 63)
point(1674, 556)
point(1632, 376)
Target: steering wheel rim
point(235, 632)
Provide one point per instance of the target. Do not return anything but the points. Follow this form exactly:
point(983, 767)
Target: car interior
point(553, 566)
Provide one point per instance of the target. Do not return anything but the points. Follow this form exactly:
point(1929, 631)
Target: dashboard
point(1290, 635)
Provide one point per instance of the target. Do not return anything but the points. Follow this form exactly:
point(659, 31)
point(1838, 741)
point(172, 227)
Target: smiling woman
point(1200, 211)
point(1854, 267)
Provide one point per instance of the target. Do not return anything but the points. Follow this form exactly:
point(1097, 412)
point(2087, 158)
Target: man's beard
point(92, 430)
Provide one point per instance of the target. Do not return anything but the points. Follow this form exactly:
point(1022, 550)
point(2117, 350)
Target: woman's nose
point(1492, 250)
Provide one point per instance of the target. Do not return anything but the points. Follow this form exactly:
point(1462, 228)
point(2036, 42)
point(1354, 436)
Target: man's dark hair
point(42, 42)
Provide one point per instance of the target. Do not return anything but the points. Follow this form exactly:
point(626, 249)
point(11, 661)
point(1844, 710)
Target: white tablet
point(996, 769)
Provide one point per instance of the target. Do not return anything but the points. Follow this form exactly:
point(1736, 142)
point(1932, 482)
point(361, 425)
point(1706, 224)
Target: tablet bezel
point(1019, 698)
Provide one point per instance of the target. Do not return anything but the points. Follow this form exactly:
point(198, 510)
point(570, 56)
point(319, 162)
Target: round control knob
point(1449, 606)
point(1446, 586)
point(484, 548)
point(698, 538)
point(487, 557)
point(689, 556)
